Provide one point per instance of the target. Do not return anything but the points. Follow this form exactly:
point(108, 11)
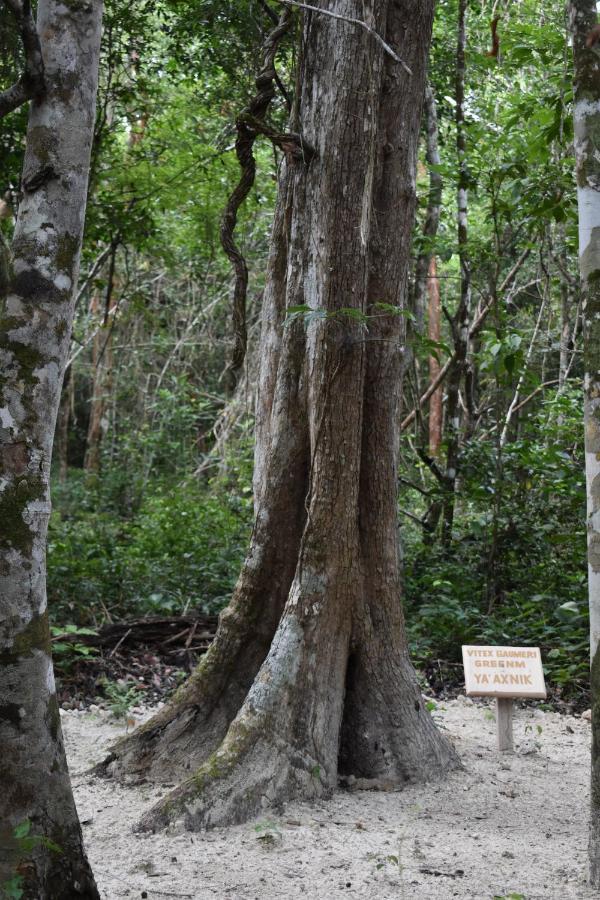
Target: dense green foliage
point(180, 550)
point(160, 522)
point(516, 573)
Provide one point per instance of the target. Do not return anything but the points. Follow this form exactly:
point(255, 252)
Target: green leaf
point(22, 830)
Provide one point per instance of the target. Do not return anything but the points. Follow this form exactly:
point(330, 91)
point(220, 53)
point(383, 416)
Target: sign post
point(505, 673)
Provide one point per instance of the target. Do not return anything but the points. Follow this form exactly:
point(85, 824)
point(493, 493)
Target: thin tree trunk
point(332, 449)
point(430, 229)
point(102, 366)
point(434, 206)
point(435, 334)
point(587, 155)
point(566, 308)
point(61, 438)
point(460, 322)
point(35, 326)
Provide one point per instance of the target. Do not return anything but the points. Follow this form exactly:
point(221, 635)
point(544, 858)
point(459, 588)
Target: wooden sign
point(503, 672)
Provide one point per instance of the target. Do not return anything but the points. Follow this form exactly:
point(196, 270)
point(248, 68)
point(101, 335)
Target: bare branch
point(359, 22)
point(100, 260)
point(533, 394)
point(31, 83)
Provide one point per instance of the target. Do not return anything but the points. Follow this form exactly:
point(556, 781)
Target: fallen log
point(159, 632)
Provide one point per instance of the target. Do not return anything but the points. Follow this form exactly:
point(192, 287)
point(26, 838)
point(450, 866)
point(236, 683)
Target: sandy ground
point(508, 826)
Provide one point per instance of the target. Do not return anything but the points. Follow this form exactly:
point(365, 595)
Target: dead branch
point(351, 21)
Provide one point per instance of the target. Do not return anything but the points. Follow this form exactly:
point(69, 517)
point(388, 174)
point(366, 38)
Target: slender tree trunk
point(101, 387)
point(421, 291)
point(61, 438)
point(35, 326)
point(434, 206)
point(566, 309)
point(332, 658)
point(460, 322)
point(435, 334)
point(587, 155)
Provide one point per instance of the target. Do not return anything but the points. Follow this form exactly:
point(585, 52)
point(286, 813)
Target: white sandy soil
point(509, 825)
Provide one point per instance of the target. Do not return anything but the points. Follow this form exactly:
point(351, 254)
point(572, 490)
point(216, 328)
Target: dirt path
point(511, 826)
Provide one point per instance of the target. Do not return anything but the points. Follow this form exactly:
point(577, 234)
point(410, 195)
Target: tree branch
point(351, 21)
point(416, 519)
point(31, 83)
point(533, 394)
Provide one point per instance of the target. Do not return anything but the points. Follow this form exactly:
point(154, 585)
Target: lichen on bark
point(37, 289)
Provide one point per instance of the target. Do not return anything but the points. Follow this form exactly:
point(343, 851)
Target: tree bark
point(321, 585)
point(587, 156)
point(35, 325)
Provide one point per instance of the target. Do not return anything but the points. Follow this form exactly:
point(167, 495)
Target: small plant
point(23, 843)
point(392, 860)
point(538, 728)
point(67, 652)
point(511, 896)
point(268, 832)
point(121, 696)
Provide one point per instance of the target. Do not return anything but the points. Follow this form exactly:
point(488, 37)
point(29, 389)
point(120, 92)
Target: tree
point(586, 116)
point(39, 820)
point(309, 675)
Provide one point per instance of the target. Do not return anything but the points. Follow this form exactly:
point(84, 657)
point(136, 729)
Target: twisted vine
point(249, 124)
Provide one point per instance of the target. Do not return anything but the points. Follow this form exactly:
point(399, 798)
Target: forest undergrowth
point(515, 573)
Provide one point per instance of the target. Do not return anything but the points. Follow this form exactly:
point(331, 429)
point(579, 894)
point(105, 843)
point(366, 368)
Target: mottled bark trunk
point(329, 470)
point(35, 326)
point(587, 154)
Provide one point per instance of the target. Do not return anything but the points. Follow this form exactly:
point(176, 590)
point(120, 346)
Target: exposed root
point(183, 734)
point(248, 774)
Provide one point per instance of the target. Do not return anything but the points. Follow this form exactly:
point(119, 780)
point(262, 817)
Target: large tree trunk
point(35, 326)
point(587, 154)
point(328, 686)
